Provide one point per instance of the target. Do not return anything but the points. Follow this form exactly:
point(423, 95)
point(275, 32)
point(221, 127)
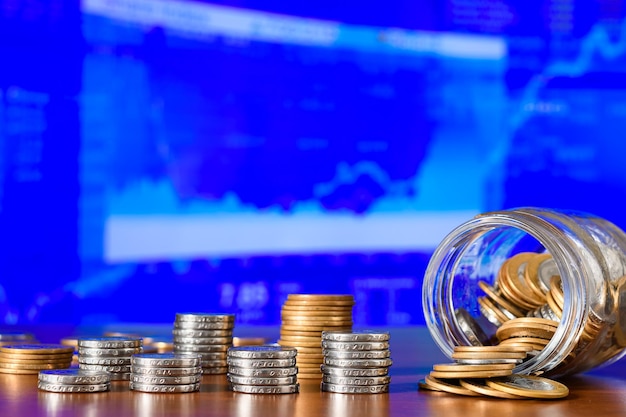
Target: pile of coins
point(268, 369)
point(209, 335)
point(356, 362)
point(166, 372)
point(74, 380)
point(304, 317)
point(488, 371)
point(32, 358)
point(13, 338)
point(109, 353)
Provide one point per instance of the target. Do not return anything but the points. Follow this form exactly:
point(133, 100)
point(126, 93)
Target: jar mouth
point(474, 252)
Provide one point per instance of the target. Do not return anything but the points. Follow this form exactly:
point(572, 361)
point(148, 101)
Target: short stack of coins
point(266, 369)
point(488, 371)
point(356, 362)
point(207, 334)
point(32, 358)
point(109, 353)
point(74, 380)
point(166, 372)
point(303, 319)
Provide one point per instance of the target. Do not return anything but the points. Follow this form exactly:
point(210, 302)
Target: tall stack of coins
point(488, 371)
point(166, 372)
point(74, 380)
point(263, 369)
point(356, 362)
point(207, 334)
point(32, 358)
point(304, 317)
point(108, 353)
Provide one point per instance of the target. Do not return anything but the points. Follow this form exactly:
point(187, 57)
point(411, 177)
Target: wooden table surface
point(601, 392)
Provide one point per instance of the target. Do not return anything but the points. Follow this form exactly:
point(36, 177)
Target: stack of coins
point(166, 372)
point(267, 369)
point(74, 380)
point(108, 353)
point(488, 371)
point(209, 335)
point(32, 358)
point(356, 362)
point(14, 338)
point(304, 317)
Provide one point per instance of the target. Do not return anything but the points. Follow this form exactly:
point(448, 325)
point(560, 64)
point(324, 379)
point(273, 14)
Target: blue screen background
point(165, 156)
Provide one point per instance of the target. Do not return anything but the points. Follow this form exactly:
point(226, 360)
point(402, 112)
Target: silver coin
point(546, 270)
point(179, 347)
point(205, 317)
point(354, 389)
point(486, 361)
point(166, 380)
point(363, 372)
point(47, 386)
point(208, 356)
point(203, 340)
point(216, 370)
point(358, 363)
point(356, 336)
point(263, 373)
point(94, 360)
point(164, 388)
point(197, 325)
point(266, 389)
point(346, 354)
point(214, 363)
point(261, 363)
point(476, 336)
point(74, 376)
point(201, 333)
point(105, 368)
point(167, 360)
point(253, 380)
point(327, 344)
point(356, 380)
point(548, 313)
point(108, 353)
point(262, 352)
point(111, 342)
point(149, 370)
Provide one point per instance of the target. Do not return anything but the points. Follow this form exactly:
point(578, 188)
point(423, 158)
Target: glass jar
point(490, 269)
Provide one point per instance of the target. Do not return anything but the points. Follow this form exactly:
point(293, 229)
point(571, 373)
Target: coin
point(110, 352)
point(181, 348)
point(367, 354)
point(263, 373)
point(148, 370)
point(356, 336)
point(530, 386)
point(326, 344)
point(34, 366)
point(491, 348)
point(262, 352)
point(456, 367)
point(261, 363)
point(249, 341)
point(110, 342)
point(488, 355)
point(253, 380)
point(112, 369)
point(313, 328)
point(480, 386)
point(203, 340)
point(166, 380)
point(215, 370)
point(320, 297)
point(360, 372)
point(319, 303)
point(355, 389)
point(487, 361)
point(471, 329)
point(501, 301)
point(205, 317)
point(47, 386)
point(301, 344)
point(42, 349)
point(25, 357)
point(358, 363)
point(470, 374)
point(167, 360)
point(18, 361)
point(95, 360)
point(164, 388)
point(74, 376)
point(201, 333)
point(357, 380)
point(266, 389)
point(196, 325)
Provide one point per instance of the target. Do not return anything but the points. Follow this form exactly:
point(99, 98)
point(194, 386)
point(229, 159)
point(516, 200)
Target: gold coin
point(38, 349)
point(321, 309)
point(307, 350)
point(309, 375)
point(315, 333)
point(39, 366)
point(532, 273)
point(491, 348)
point(306, 323)
point(495, 297)
point(527, 341)
point(295, 338)
point(490, 307)
point(457, 367)
point(320, 328)
point(515, 272)
point(312, 360)
point(321, 297)
point(470, 374)
point(530, 386)
point(554, 306)
point(25, 356)
point(488, 355)
point(319, 303)
point(313, 316)
point(35, 361)
point(421, 384)
point(452, 386)
point(479, 386)
point(19, 371)
point(538, 331)
point(295, 343)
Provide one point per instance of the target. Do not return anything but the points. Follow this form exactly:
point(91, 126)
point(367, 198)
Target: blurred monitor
point(172, 156)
